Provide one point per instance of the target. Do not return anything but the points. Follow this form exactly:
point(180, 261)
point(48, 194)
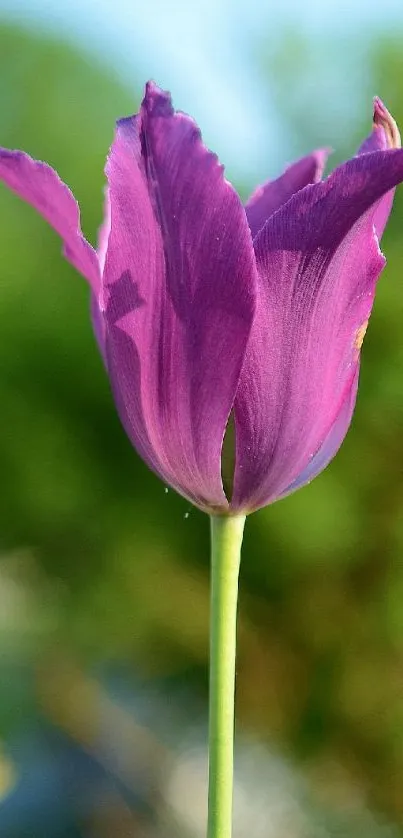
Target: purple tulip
point(214, 316)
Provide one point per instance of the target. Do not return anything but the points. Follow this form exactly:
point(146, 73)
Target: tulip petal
point(384, 135)
point(318, 261)
point(104, 230)
point(39, 185)
point(272, 195)
point(178, 296)
point(332, 442)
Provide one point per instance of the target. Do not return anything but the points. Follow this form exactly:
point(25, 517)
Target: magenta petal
point(40, 186)
point(272, 195)
point(318, 261)
point(179, 296)
point(104, 230)
point(384, 135)
point(98, 325)
point(332, 442)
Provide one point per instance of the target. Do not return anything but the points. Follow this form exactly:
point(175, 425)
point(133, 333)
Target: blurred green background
point(104, 577)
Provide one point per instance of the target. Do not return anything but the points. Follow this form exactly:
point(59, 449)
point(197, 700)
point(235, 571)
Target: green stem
point(226, 541)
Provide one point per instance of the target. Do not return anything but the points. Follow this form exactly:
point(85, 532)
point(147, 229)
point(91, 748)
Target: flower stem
point(226, 541)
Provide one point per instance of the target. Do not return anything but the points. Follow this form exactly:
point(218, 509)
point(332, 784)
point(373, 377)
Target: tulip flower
point(207, 311)
point(231, 333)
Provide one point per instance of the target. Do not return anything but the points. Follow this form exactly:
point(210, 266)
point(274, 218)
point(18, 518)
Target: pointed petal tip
point(270, 196)
point(321, 155)
point(382, 117)
point(157, 102)
point(40, 186)
point(317, 158)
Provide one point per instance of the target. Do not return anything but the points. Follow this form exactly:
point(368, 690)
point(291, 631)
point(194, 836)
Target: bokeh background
point(104, 576)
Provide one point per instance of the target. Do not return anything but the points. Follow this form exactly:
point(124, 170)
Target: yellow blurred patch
point(360, 335)
point(8, 775)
